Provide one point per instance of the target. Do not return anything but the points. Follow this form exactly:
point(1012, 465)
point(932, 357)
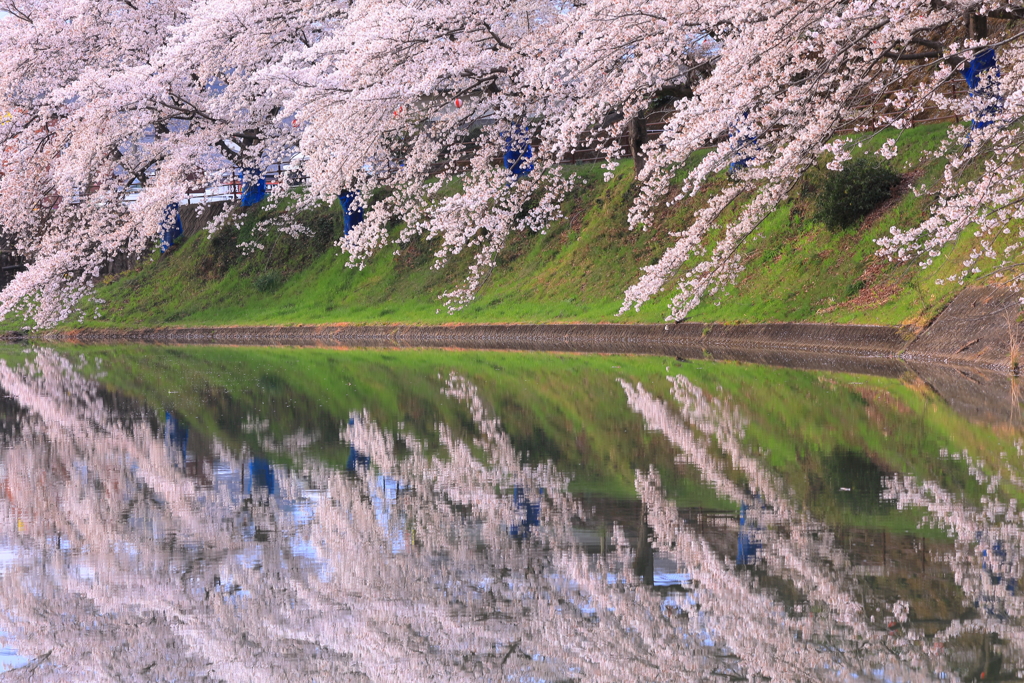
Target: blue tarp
point(982, 74)
point(518, 152)
point(353, 216)
point(261, 475)
point(746, 547)
point(254, 186)
point(530, 512)
point(170, 227)
point(743, 145)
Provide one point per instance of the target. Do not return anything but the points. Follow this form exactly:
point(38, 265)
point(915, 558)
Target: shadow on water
point(294, 514)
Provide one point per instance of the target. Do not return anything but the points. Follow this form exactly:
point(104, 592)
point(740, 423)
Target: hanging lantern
point(458, 103)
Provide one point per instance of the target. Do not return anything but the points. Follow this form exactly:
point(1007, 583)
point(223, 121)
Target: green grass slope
point(797, 270)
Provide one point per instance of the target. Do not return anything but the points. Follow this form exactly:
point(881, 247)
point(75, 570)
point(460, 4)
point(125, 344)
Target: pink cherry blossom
point(113, 109)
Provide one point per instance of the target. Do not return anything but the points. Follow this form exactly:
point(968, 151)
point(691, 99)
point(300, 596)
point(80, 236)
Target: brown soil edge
point(977, 329)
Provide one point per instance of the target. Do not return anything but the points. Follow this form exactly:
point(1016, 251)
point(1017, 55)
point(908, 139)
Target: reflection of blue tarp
point(981, 74)
point(353, 215)
point(746, 548)
point(530, 512)
point(999, 554)
point(356, 459)
point(176, 435)
point(518, 152)
point(254, 186)
point(170, 227)
point(261, 475)
point(390, 487)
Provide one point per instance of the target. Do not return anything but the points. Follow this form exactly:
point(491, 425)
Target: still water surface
point(247, 514)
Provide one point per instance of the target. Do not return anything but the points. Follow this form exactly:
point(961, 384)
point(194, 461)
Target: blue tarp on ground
point(170, 227)
point(254, 186)
point(518, 152)
point(353, 216)
point(744, 147)
point(982, 75)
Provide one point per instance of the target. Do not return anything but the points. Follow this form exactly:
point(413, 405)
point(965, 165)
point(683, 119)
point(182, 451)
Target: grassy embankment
point(797, 270)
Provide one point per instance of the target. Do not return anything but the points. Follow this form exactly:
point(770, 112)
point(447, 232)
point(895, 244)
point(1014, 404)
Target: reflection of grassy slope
point(577, 271)
point(565, 408)
point(817, 431)
point(811, 427)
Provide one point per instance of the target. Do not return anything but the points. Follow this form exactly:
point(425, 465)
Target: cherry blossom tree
point(113, 110)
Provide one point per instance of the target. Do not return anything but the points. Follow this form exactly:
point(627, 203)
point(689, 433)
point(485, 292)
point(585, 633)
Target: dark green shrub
point(223, 251)
point(850, 194)
point(854, 289)
point(268, 281)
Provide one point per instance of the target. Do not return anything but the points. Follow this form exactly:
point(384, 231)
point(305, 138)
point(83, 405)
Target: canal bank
point(794, 269)
point(979, 328)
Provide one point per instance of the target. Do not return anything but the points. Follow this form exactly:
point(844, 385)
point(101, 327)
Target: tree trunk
point(977, 26)
point(637, 137)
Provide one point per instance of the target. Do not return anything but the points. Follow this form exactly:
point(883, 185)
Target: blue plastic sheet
point(981, 74)
point(254, 186)
point(743, 145)
point(353, 215)
point(518, 152)
point(170, 227)
point(746, 547)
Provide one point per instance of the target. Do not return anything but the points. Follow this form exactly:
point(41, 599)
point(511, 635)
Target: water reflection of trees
point(985, 559)
point(129, 567)
point(126, 556)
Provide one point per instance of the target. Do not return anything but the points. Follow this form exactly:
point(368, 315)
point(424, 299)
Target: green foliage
point(850, 194)
point(855, 288)
point(223, 251)
point(796, 269)
point(268, 281)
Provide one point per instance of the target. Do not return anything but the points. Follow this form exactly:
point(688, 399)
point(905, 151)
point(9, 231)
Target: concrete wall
point(976, 330)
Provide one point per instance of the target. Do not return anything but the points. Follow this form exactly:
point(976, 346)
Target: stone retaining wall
point(846, 340)
point(974, 330)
